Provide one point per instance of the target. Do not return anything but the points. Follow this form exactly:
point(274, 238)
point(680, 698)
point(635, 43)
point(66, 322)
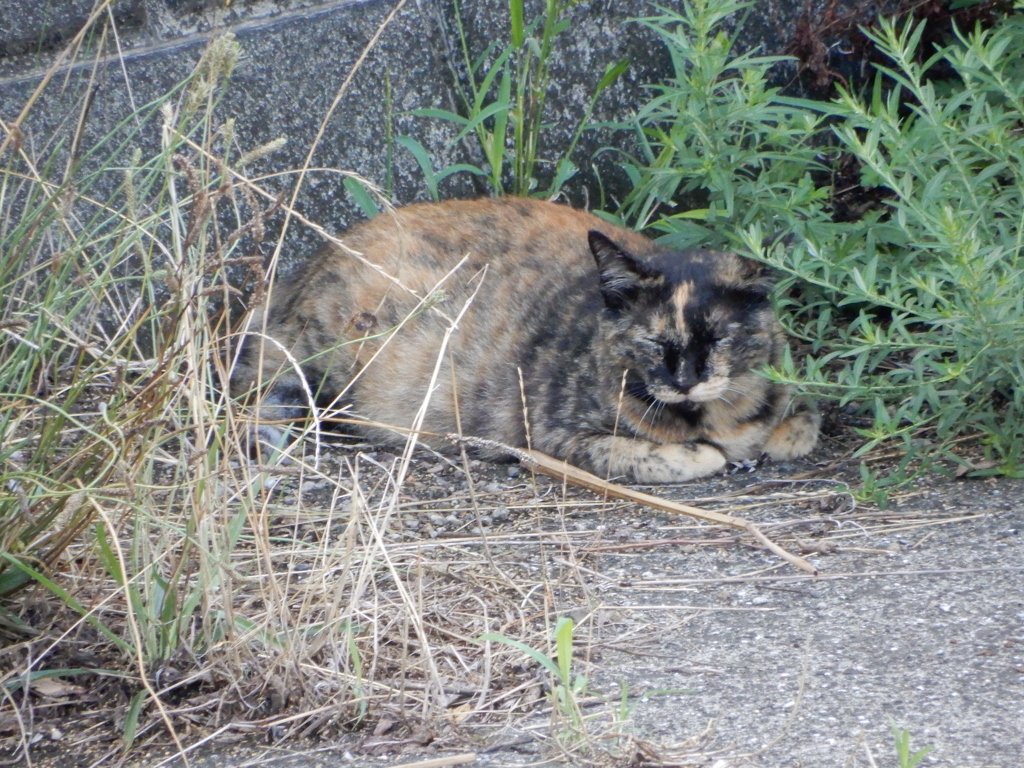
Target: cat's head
point(687, 326)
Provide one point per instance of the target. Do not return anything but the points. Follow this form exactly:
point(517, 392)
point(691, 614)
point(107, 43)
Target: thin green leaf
point(494, 108)
point(422, 158)
point(563, 644)
point(459, 168)
point(515, 12)
point(68, 600)
point(362, 197)
point(533, 653)
point(440, 114)
point(612, 72)
point(131, 719)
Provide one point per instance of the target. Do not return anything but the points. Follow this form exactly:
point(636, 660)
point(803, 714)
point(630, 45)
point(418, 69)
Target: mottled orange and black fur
point(633, 360)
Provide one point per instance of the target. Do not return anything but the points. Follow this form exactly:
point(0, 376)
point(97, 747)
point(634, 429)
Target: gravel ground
point(732, 659)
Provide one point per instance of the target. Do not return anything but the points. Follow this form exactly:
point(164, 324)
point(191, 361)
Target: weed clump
point(501, 94)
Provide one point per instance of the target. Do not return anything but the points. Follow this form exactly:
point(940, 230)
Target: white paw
point(268, 443)
point(678, 463)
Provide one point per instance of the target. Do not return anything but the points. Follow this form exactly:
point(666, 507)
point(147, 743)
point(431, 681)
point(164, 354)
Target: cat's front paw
point(795, 436)
point(678, 463)
point(269, 445)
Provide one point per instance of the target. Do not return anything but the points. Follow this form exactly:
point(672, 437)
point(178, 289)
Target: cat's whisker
point(731, 405)
point(657, 407)
point(759, 398)
point(657, 415)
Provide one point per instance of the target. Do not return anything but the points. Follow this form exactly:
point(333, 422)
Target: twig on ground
point(441, 762)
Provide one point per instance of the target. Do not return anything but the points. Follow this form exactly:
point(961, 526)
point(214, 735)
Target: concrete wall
point(296, 55)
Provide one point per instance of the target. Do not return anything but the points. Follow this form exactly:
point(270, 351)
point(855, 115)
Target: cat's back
point(508, 261)
point(514, 256)
point(421, 243)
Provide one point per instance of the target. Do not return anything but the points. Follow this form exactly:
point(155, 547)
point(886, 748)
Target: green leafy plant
point(718, 148)
point(911, 306)
point(566, 689)
point(503, 102)
point(929, 284)
point(904, 757)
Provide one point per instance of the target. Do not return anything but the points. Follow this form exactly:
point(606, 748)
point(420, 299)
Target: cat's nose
point(685, 383)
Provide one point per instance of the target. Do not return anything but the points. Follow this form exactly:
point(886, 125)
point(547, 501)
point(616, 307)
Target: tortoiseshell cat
point(633, 360)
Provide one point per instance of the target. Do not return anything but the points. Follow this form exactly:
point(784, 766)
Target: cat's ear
point(623, 275)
